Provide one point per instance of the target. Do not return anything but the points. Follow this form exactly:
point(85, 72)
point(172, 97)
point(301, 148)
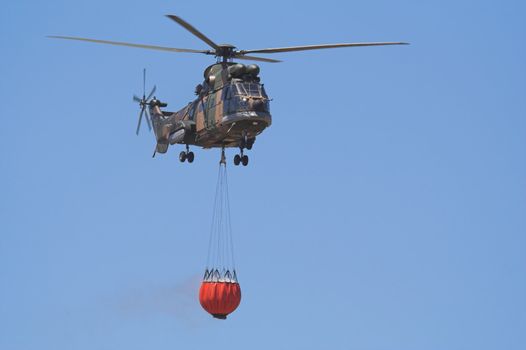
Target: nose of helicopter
point(253, 120)
point(258, 105)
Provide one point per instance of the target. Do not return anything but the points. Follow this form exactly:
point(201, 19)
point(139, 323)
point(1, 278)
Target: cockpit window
point(249, 89)
point(242, 97)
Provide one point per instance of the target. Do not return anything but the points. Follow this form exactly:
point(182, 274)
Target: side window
point(226, 93)
point(226, 98)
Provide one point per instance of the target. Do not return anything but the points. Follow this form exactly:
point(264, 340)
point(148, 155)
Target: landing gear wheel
point(182, 157)
point(244, 160)
point(190, 157)
point(237, 159)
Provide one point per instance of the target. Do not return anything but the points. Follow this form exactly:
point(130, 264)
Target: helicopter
point(231, 108)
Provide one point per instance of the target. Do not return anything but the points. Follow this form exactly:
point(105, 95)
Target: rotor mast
point(225, 52)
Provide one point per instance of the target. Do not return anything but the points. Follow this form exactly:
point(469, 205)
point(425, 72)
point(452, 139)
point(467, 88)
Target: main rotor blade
point(254, 58)
point(136, 98)
point(119, 43)
point(318, 47)
point(194, 31)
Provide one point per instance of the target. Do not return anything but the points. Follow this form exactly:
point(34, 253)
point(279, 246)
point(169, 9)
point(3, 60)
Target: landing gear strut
point(244, 143)
point(189, 156)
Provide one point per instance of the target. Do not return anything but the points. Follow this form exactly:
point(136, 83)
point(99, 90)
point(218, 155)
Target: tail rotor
point(143, 103)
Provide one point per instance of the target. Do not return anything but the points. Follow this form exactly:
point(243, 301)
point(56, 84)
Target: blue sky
point(384, 209)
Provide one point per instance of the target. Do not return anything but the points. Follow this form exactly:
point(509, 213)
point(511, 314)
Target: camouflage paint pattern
point(206, 120)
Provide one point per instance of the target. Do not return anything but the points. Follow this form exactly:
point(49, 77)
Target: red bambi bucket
point(219, 298)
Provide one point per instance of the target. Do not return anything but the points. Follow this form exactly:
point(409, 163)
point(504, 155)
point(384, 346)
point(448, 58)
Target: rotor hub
point(225, 50)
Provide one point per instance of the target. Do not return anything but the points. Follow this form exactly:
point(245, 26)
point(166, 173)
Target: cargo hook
point(223, 158)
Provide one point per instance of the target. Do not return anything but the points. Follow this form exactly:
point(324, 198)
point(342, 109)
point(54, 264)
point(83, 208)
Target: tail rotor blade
point(143, 82)
point(148, 118)
point(140, 118)
point(151, 93)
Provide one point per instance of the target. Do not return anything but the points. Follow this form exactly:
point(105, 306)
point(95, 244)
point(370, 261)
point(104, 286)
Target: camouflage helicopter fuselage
point(230, 110)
